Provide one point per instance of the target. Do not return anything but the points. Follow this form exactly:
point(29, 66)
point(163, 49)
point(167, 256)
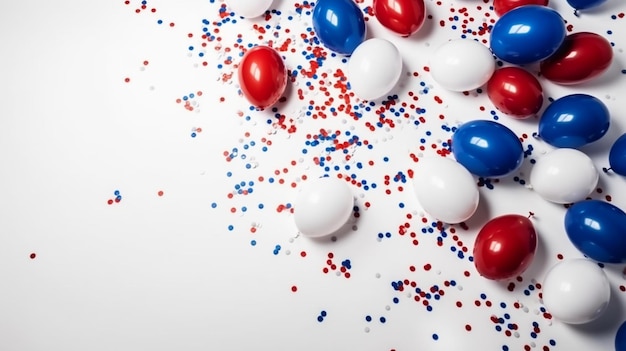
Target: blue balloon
point(584, 4)
point(617, 156)
point(339, 24)
point(527, 34)
point(620, 338)
point(574, 120)
point(487, 148)
point(598, 230)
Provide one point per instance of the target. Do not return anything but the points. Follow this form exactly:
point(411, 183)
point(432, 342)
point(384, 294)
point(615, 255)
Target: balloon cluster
point(527, 32)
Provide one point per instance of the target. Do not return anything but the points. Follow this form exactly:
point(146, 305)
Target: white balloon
point(462, 64)
point(445, 189)
point(374, 68)
point(576, 291)
point(564, 176)
point(323, 206)
point(249, 8)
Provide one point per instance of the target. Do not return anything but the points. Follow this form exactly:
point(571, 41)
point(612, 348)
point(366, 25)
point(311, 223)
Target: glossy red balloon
point(505, 247)
point(503, 6)
point(581, 57)
point(404, 17)
point(262, 76)
point(515, 92)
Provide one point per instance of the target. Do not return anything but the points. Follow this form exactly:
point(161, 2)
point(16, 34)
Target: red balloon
point(505, 247)
point(515, 92)
point(404, 17)
point(503, 6)
point(262, 76)
point(581, 57)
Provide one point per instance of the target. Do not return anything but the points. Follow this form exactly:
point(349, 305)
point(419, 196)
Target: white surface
point(164, 272)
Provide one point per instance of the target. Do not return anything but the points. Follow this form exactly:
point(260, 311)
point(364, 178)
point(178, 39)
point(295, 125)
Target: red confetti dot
point(294, 288)
point(32, 256)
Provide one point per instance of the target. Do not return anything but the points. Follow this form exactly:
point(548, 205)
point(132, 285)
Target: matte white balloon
point(445, 189)
point(462, 65)
point(249, 8)
point(323, 206)
point(374, 68)
point(564, 176)
point(576, 291)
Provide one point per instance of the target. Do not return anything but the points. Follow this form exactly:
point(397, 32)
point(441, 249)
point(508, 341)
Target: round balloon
point(582, 57)
point(461, 65)
point(527, 34)
point(620, 338)
point(505, 247)
point(564, 176)
point(487, 148)
point(617, 156)
point(503, 6)
point(584, 4)
point(262, 76)
point(339, 25)
point(323, 206)
point(374, 68)
point(403, 17)
point(574, 120)
point(249, 9)
point(598, 230)
point(445, 189)
point(576, 291)
point(515, 91)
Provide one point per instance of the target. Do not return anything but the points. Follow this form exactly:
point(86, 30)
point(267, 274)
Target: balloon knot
point(576, 13)
point(531, 214)
point(606, 170)
point(535, 135)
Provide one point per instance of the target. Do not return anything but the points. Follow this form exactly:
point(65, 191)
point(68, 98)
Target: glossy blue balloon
point(620, 338)
point(487, 148)
point(339, 24)
point(574, 120)
point(598, 230)
point(584, 4)
point(617, 156)
point(527, 34)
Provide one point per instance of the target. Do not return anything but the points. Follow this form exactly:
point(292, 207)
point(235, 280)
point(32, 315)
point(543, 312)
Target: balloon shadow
point(483, 213)
point(605, 325)
point(541, 259)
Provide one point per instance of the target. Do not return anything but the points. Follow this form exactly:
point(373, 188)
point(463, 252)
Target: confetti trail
point(393, 273)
